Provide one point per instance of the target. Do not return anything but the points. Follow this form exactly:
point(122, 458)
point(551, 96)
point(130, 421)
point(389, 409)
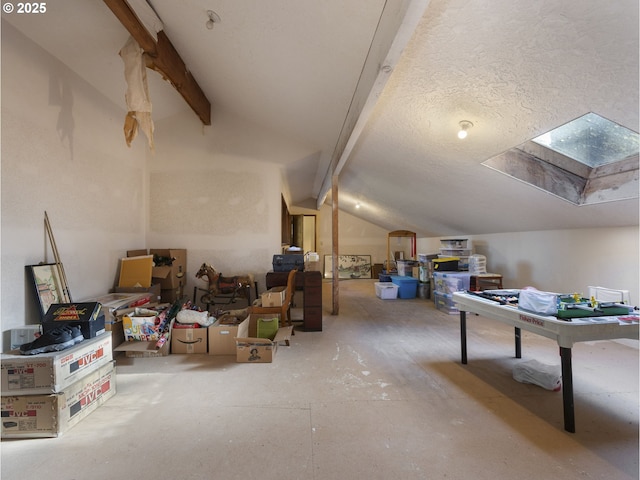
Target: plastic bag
point(536, 301)
point(534, 372)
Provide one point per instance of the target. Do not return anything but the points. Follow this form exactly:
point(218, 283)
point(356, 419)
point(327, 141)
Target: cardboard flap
point(161, 272)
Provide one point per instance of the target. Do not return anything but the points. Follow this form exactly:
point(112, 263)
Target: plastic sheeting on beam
point(137, 94)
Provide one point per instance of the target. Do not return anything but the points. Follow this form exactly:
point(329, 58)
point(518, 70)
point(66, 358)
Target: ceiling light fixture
point(357, 204)
point(465, 125)
point(213, 19)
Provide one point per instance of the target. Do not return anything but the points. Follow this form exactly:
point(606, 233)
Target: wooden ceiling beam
point(164, 58)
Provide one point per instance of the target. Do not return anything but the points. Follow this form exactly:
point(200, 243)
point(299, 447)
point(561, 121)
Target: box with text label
point(52, 372)
point(222, 337)
point(189, 340)
point(49, 415)
point(258, 339)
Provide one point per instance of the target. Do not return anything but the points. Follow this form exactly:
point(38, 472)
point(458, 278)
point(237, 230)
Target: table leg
point(518, 342)
point(463, 335)
point(567, 390)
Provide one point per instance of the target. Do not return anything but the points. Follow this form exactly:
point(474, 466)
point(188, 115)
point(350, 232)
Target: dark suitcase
point(286, 263)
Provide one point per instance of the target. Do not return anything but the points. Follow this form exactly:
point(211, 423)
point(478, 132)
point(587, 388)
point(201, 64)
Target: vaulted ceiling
point(376, 90)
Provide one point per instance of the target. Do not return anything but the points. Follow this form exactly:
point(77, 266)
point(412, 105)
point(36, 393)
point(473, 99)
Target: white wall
point(355, 236)
point(216, 191)
point(62, 152)
point(565, 261)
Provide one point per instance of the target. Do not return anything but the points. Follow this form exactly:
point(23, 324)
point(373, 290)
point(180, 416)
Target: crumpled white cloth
point(137, 94)
point(192, 316)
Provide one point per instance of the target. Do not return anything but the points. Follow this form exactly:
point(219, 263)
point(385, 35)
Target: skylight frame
point(586, 161)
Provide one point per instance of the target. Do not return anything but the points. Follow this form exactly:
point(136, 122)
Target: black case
point(88, 316)
point(288, 262)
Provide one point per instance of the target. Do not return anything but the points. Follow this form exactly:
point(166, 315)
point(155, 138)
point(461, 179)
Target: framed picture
point(47, 285)
point(349, 266)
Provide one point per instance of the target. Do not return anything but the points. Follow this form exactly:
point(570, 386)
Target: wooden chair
point(285, 309)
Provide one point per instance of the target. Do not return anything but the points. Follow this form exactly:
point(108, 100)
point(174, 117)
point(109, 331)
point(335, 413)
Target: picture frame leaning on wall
point(47, 285)
point(349, 266)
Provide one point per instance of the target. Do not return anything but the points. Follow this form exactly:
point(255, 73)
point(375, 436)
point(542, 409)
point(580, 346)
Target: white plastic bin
point(386, 290)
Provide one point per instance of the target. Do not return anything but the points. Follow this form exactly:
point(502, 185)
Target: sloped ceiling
point(390, 80)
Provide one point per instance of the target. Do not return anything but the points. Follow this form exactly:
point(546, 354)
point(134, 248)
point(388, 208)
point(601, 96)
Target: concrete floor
point(379, 394)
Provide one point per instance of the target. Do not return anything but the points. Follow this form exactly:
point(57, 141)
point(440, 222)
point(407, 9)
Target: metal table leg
point(567, 390)
point(518, 342)
point(463, 335)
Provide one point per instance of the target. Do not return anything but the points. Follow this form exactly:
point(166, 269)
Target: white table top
point(565, 332)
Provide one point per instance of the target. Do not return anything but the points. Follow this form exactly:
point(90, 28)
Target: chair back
point(291, 286)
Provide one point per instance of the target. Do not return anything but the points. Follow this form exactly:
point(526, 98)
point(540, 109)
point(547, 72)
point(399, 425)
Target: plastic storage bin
point(444, 302)
point(386, 290)
point(449, 264)
point(405, 267)
point(477, 264)
point(407, 286)
point(451, 282)
point(455, 252)
point(453, 243)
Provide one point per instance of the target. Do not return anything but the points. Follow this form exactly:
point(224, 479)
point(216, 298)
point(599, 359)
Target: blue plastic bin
point(407, 286)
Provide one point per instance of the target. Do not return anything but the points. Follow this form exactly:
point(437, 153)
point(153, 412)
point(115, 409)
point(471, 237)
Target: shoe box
point(50, 415)
point(51, 372)
point(88, 316)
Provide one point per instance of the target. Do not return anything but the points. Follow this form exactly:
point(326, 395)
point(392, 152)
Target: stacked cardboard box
point(170, 271)
point(44, 395)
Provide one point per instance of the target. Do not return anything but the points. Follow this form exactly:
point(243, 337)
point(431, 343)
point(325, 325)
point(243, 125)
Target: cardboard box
point(140, 328)
point(189, 340)
point(168, 276)
point(153, 291)
point(171, 276)
point(143, 349)
point(250, 348)
point(115, 303)
point(154, 348)
point(274, 297)
point(117, 333)
point(222, 338)
point(171, 295)
point(52, 372)
point(35, 416)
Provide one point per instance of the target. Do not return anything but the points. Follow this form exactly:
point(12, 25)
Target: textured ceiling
point(305, 69)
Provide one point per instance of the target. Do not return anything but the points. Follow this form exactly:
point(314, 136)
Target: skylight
point(586, 161)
